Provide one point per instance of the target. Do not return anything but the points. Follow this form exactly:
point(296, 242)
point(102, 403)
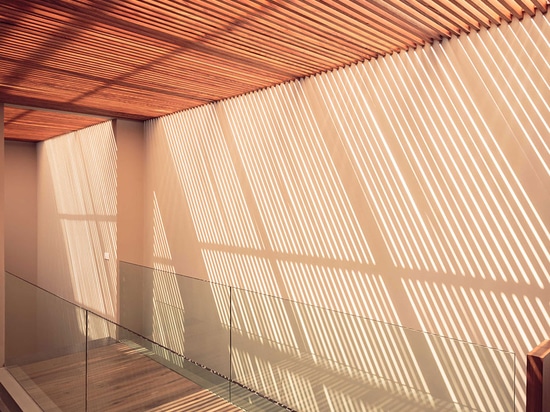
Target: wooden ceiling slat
point(129, 30)
point(368, 27)
point(332, 27)
point(453, 21)
point(84, 58)
point(35, 125)
point(486, 13)
point(65, 82)
point(304, 33)
point(527, 7)
point(169, 64)
point(322, 44)
point(248, 46)
point(373, 13)
point(408, 11)
point(271, 34)
point(437, 20)
point(85, 42)
point(468, 7)
point(151, 16)
point(464, 15)
point(40, 87)
point(253, 43)
point(514, 9)
point(144, 58)
point(69, 94)
point(497, 11)
point(57, 58)
point(541, 5)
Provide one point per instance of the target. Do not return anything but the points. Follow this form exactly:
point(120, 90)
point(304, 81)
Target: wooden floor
point(120, 378)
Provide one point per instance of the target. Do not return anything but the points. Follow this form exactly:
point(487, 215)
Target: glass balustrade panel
point(46, 346)
point(186, 315)
point(314, 359)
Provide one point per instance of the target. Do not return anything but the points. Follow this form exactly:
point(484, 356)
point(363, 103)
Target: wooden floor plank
point(120, 379)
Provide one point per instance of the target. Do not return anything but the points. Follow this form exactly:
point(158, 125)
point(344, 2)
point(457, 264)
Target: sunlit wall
point(77, 217)
point(411, 189)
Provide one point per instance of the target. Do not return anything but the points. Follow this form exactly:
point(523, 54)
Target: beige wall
point(20, 231)
point(130, 210)
point(20, 212)
point(77, 215)
point(62, 215)
point(71, 210)
point(130, 190)
point(411, 189)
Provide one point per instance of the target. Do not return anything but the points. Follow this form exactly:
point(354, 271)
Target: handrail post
point(538, 378)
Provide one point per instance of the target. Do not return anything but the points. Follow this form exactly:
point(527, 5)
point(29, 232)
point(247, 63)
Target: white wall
point(411, 189)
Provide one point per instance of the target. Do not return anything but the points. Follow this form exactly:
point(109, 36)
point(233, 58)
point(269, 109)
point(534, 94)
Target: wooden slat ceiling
point(143, 59)
point(25, 124)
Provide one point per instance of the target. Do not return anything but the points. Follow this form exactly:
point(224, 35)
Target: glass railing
point(70, 359)
point(310, 358)
point(44, 331)
point(259, 352)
